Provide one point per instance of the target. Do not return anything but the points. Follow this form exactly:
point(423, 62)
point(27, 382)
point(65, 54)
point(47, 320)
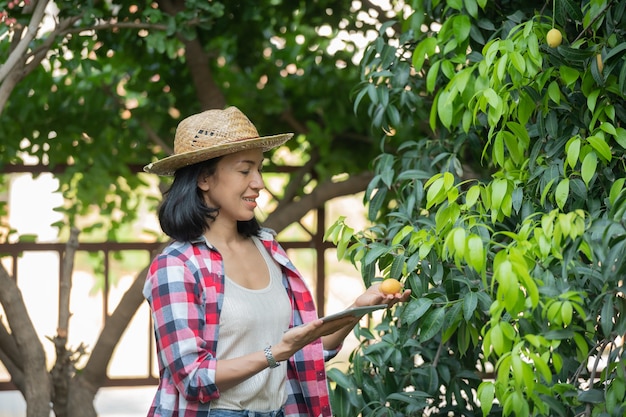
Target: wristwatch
point(270, 358)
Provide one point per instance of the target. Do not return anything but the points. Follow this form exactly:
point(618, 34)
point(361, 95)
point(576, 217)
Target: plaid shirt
point(185, 290)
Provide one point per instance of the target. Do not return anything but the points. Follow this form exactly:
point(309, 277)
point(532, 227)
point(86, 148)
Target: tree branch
point(284, 215)
point(11, 357)
point(36, 380)
point(20, 50)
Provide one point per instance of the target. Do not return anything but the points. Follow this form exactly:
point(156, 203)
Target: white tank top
point(251, 320)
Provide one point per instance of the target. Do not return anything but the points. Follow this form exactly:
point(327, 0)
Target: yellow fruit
point(600, 63)
point(554, 38)
point(390, 286)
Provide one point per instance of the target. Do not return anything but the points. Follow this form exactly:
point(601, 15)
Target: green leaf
point(455, 4)
point(346, 238)
point(435, 192)
point(340, 378)
point(513, 145)
point(573, 10)
point(562, 193)
point(461, 28)
point(608, 128)
point(542, 367)
point(592, 98)
point(622, 81)
point(606, 316)
point(589, 165)
point(376, 203)
point(573, 54)
point(458, 238)
point(497, 339)
point(432, 324)
point(431, 78)
point(525, 108)
point(472, 195)
point(616, 189)
point(416, 309)
point(498, 150)
point(424, 49)
point(472, 7)
point(569, 75)
point(520, 132)
point(573, 151)
point(554, 92)
point(470, 302)
point(499, 188)
point(397, 266)
point(475, 253)
point(375, 251)
point(620, 136)
point(445, 108)
point(599, 144)
point(566, 312)
point(593, 396)
point(486, 394)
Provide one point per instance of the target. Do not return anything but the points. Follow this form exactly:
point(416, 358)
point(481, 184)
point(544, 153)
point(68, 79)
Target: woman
point(236, 327)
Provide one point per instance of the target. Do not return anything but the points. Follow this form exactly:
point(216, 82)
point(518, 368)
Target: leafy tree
point(503, 211)
point(93, 91)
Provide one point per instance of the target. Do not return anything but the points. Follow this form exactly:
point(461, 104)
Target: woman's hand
point(373, 296)
point(297, 337)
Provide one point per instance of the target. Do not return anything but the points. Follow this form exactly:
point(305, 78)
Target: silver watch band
point(271, 362)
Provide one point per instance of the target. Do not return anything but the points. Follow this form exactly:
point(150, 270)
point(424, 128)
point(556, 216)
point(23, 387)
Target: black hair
point(184, 215)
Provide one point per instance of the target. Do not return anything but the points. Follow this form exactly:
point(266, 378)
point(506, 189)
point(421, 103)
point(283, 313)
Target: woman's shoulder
point(184, 249)
point(267, 234)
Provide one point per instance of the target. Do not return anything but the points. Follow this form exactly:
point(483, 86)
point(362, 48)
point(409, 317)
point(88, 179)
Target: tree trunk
point(36, 386)
point(81, 395)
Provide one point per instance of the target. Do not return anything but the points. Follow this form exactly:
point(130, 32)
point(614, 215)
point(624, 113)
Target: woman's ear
point(203, 182)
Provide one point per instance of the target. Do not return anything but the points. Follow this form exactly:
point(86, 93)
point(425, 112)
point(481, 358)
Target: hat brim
point(169, 165)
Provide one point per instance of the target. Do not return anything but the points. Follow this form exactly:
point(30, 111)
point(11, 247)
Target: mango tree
point(504, 212)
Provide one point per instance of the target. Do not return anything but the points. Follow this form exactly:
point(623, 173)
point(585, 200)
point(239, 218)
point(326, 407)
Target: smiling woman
point(234, 320)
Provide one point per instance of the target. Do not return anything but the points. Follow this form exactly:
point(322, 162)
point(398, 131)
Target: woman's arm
point(178, 313)
point(370, 297)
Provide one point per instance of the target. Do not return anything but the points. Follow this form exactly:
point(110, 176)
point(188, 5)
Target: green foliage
point(117, 81)
point(504, 215)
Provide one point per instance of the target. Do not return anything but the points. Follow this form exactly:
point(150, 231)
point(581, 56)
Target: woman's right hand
point(297, 337)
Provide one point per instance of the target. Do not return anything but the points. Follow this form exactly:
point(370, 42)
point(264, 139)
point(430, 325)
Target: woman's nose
point(257, 182)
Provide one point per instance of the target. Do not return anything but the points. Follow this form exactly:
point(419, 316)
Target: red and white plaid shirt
point(185, 290)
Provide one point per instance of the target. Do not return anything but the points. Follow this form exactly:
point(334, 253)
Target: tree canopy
point(93, 91)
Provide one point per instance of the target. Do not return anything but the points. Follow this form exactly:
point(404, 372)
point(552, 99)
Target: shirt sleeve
point(177, 302)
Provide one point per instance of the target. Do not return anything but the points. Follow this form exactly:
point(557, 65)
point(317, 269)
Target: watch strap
point(271, 362)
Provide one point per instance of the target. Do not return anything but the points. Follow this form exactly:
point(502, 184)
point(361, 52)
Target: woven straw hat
point(210, 134)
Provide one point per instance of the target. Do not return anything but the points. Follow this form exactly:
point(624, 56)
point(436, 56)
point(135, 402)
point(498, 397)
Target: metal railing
point(15, 250)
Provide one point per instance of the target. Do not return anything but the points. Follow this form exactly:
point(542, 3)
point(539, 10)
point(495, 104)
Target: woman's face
point(235, 185)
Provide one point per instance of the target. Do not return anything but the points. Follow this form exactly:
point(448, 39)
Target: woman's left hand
point(373, 295)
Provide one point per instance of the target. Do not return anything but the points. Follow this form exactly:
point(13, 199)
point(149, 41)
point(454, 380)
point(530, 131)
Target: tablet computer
point(354, 312)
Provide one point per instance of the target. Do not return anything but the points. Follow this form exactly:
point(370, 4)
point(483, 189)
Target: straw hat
point(210, 134)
